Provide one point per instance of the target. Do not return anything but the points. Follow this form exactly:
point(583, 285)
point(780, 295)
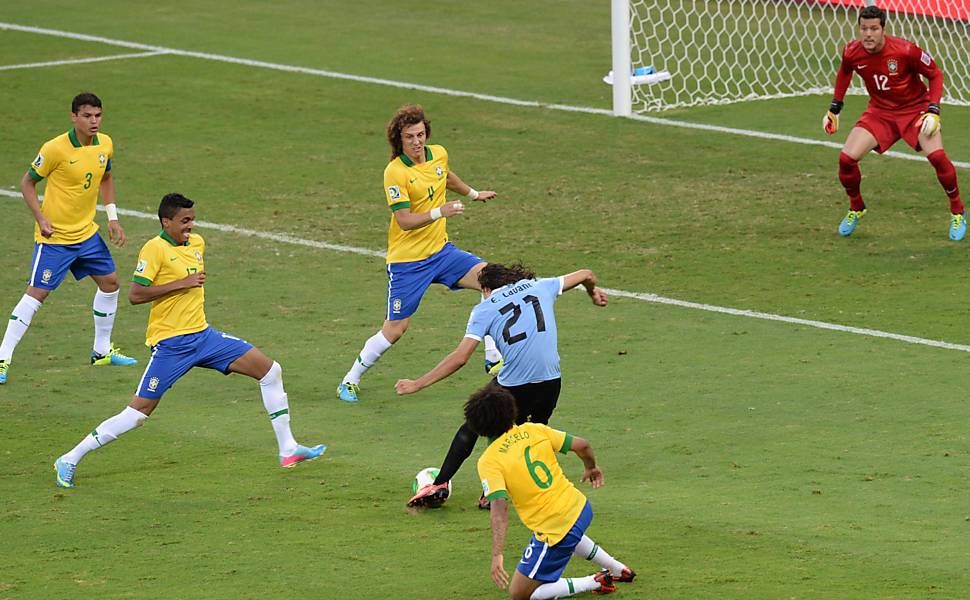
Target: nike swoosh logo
point(860, 67)
point(174, 258)
point(413, 180)
point(74, 161)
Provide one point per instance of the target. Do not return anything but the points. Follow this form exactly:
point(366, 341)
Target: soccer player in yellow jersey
point(171, 275)
point(520, 464)
point(418, 250)
point(77, 166)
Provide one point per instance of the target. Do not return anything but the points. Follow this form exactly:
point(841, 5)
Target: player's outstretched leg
point(17, 326)
point(374, 347)
point(589, 550)
point(851, 178)
point(277, 406)
point(103, 434)
point(947, 176)
point(461, 448)
point(598, 583)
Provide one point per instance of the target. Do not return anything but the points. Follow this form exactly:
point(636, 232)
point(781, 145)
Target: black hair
point(171, 204)
point(873, 12)
point(84, 99)
point(494, 275)
point(491, 411)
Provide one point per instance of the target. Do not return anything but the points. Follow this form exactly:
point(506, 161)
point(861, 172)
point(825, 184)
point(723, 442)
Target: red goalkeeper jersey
point(892, 75)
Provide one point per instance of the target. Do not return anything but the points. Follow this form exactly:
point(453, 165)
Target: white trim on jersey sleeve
point(473, 336)
point(562, 283)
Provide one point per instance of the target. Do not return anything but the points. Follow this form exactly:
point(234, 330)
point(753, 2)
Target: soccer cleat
point(850, 222)
point(606, 582)
point(4, 367)
point(484, 504)
point(625, 576)
point(114, 357)
point(958, 227)
point(302, 454)
point(65, 473)
point(430, 496)
point(348, 392)
point(492, 368)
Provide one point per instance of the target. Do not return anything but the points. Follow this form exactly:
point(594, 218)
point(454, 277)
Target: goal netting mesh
point(723, 51)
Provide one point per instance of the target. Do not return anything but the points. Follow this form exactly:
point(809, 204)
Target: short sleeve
point(493, 482)
point(396, 189)
point(551, 287)
point(148, 265)
point(477, 325)
point(45, 162)
point(560, 440)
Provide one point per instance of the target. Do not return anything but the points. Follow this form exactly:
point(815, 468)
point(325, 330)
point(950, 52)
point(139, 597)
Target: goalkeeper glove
point(830, 122)
point(929, 121)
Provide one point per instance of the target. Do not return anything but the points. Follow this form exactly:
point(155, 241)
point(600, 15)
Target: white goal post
point(724, 51)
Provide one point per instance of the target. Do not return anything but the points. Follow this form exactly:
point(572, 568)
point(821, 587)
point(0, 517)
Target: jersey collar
point(410, 163)
point(169, 239)
point(72, 135)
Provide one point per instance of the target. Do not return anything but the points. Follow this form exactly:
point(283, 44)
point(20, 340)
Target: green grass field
point(743, 458)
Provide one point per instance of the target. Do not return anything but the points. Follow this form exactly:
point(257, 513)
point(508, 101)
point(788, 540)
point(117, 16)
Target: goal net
point(723, 51)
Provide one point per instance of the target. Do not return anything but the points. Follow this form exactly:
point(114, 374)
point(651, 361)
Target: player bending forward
point(899, 107)
point(520, 463)
point(171, 274)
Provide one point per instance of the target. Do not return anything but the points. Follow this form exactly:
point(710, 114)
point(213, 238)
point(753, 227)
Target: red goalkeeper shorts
point(889, 126)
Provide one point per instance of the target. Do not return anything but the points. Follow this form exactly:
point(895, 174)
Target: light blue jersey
point(520, 319)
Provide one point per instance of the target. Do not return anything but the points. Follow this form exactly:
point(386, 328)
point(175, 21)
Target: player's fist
point(929, 124)
point(830, 122)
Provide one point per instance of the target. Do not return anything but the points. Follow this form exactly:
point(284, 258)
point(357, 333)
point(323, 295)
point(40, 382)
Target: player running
point(517, 310)
point(520, 464)
point(900, 106)
point(418, 250)
point(77, 166)
point(171, 274)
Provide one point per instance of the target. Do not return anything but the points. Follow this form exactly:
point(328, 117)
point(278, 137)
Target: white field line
point(654, 298)
point(445, 91)
point(77, 61)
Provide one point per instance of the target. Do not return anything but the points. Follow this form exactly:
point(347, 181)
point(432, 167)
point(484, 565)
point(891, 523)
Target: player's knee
point(273, 375)
point(467, 437)
point(38, 294)
point(847, 164)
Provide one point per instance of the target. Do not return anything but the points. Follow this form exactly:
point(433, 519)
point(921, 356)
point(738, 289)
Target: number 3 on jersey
point(513, 308)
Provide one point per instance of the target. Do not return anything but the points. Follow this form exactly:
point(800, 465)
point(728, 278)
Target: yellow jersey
point(419, 187)
point(521, 464)
point(160, 261)
point(74, 174)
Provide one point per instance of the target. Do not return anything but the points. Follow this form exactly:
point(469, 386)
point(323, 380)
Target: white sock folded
point(374, 347)
point(565, 587)
point(17, 326)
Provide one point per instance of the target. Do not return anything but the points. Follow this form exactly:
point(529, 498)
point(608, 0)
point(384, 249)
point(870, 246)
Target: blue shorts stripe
point(33, 271)
point(542, 555)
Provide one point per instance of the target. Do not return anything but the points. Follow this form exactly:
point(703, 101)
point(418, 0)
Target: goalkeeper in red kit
point(900, 106)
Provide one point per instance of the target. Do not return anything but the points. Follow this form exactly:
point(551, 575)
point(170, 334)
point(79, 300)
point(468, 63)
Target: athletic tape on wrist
point(436, 213)
point(112, 211)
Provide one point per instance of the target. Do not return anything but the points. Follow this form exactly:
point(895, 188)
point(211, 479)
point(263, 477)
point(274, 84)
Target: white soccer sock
point(374, 347)
point(17, 326)
point(587, 549)
point(565, 587)
point(105, 433)
point(274, 399)
point(105, 307)
point(492, 354)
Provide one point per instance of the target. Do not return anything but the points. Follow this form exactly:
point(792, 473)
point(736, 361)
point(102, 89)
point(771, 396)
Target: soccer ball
point(426, 477)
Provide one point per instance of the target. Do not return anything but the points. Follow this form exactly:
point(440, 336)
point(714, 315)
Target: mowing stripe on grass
point(439, 90)
point(645, 297)
point(77, 61)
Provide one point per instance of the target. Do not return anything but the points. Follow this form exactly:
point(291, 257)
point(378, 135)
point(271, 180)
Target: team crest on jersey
point(485, 486)
point(141, 266)
point(394, 192)
point(38, 161)
point(102, 158)
point(926, 59)
point(45, 277)
point(893, 66)
point(153, 384)
point(439, 170)
point(198, 256)
point(396, 305)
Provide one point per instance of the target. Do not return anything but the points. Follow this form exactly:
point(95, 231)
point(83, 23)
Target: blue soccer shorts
point(543, 562)
point(51, 262)
point(175, 356)
point(407, 281)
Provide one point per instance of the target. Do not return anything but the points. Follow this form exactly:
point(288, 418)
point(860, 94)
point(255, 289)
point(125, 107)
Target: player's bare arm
point(591, 472)
point(408, 220)
point(448, 365)
point(140, 294)
point(499, 515)
point(455, 184)
point(28, 187)
point(587, 279)
point(115, 231)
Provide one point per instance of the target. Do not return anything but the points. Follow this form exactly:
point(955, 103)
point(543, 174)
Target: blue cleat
point(4, 367)
point(302, 454)
point(958, 228)
point(851, 221)
point(348, 392)
point(492, 368)
point(114, 357)
point(65, 473)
